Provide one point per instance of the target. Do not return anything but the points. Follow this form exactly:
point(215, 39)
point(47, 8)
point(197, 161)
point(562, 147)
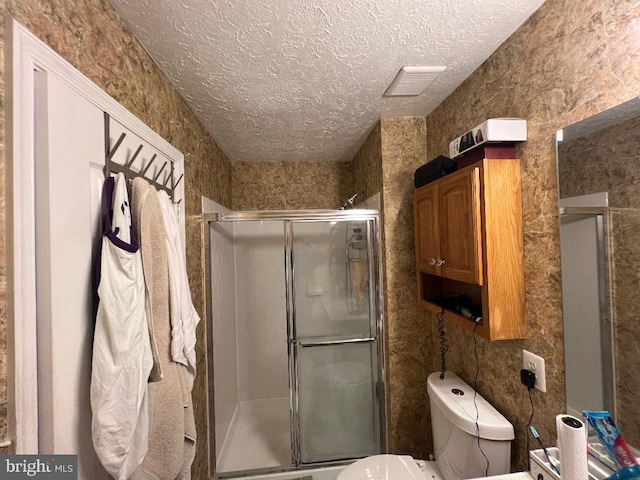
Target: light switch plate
point(535, 363)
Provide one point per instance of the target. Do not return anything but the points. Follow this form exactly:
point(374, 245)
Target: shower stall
point(296, 370)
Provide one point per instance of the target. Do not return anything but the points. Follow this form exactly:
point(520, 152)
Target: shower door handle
point(335, 342)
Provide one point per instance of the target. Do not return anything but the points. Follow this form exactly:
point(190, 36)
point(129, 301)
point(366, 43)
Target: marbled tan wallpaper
point(570, 60)
point(386, 163)
point(367, 164)
point(409, 329)
point(290, 185)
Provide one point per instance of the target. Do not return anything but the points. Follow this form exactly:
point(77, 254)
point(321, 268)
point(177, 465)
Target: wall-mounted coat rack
point(164, 182)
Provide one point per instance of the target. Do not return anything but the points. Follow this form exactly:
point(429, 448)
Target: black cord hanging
point(475, 396)
point(444, 347)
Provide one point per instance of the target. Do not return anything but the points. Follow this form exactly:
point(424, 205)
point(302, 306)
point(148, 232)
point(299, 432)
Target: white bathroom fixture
point(458, 452)
point(386, 467)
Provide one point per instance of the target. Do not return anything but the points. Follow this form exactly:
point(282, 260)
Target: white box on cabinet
point(493, 130)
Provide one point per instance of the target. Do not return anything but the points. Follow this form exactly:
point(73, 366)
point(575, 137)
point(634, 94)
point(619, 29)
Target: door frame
point(25, 54)
point(294, 344)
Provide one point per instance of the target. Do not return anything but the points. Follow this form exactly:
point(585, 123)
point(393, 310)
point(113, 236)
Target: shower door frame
point(376, 305)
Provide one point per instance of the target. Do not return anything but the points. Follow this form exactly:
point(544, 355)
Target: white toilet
point(453, 419)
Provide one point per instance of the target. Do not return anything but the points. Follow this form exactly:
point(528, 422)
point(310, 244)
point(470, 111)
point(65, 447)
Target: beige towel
point(171, 422)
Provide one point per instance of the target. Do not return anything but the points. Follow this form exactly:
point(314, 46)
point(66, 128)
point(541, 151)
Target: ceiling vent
point(412, 81)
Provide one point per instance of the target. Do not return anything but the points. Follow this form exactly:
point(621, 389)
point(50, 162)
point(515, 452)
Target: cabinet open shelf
point(432, 288)
point(468, 234)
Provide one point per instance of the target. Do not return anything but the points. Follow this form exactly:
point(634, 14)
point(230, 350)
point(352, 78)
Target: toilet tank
point(459, 454)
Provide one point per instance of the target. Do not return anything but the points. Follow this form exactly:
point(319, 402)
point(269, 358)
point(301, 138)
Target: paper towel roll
point(572, 444)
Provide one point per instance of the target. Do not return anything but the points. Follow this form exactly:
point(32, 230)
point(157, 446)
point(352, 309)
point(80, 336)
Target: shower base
point(324, 473)
point(259, 436)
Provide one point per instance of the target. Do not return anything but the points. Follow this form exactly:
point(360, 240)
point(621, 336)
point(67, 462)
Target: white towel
point(184, 317)
point(122, 357)
point(171, 421)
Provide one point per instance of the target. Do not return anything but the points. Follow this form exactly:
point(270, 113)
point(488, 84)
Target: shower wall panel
point(223, 309)
point(261, 310)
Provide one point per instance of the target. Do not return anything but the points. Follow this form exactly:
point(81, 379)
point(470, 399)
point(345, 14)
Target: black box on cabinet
point(433, 170)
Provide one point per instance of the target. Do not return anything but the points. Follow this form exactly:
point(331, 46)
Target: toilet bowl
point(383, 467)
point(463, 446)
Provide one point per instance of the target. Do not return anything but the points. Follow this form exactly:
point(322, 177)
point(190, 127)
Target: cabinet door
point(427, 231)
point(460, 248)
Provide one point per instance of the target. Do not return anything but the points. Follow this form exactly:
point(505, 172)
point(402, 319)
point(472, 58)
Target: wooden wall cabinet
point(468, 238)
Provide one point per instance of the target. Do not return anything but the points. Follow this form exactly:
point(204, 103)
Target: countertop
point(511, 476)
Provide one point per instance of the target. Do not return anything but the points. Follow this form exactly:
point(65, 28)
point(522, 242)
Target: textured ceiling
point(303, 79)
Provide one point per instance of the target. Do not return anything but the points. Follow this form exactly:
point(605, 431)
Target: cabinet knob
point(432, 261)
point(440, 262)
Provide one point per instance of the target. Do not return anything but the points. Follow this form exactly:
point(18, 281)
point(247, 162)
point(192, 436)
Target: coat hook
point(115, 147)
point(155, 179)
point(148, 165)
point(176, 184)
point(133, 158)
point(107, 145)
point(166, 180)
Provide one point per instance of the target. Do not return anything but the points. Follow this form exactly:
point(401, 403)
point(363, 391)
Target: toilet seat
point(389, 467)
point(430, 471)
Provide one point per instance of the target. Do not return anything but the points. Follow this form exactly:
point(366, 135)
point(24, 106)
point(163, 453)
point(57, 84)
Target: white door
point(55, 157)
point(69, 161)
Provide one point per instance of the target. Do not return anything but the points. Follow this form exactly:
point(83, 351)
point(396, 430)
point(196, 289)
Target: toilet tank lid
point(456, 401)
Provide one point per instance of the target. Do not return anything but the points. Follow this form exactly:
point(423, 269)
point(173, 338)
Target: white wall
point(223, 307)
point(261, 310)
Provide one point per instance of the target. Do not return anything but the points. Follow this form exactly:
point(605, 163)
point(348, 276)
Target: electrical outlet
point(535, 363)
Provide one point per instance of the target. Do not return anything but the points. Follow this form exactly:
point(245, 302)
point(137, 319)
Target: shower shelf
point(468, 239)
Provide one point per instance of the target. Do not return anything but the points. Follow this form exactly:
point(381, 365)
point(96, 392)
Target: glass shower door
point(333, 337)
